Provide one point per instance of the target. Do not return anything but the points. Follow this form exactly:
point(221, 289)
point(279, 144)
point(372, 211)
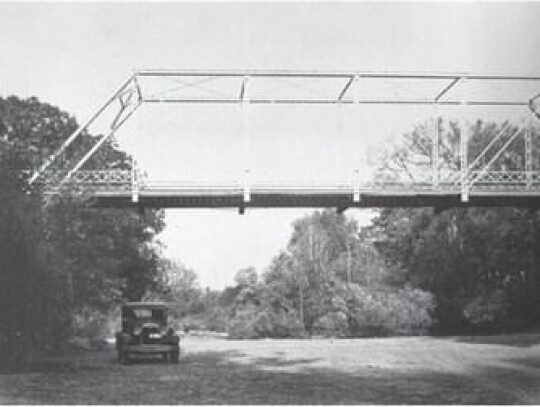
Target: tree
point(180, 288)
point(476, 260)
point(31, 293)
point(82, 258)
point(329, 281)
point(246, 277)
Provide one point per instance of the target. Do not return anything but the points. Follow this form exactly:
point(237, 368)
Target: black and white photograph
point(269, 203)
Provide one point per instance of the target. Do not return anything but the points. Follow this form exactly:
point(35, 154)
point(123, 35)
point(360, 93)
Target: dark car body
point(145, 331)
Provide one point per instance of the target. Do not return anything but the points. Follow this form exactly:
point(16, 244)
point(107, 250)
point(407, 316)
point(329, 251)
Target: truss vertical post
point(356, 90)
point(463, 153)
point(245, 139)
point(435, 151)
point(528, 156)
point(356, 175)
point(246, 185)
point(356, 185)
point(134, 182)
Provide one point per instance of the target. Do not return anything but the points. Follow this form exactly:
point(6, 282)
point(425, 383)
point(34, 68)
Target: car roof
point(146, 305)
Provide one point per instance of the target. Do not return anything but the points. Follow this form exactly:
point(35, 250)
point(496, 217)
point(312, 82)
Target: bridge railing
point(445, 181)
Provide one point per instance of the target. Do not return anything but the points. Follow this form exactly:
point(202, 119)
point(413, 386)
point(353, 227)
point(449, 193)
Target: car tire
point(174, 356)
point(123, 357)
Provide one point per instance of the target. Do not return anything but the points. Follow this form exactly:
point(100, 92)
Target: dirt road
point(479, 370)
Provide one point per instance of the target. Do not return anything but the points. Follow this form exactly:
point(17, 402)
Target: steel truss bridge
point(474, 184)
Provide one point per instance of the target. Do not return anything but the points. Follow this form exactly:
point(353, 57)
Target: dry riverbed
point(460, 370)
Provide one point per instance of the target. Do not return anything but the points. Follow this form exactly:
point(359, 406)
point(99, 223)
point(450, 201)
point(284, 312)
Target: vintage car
point(145, 332)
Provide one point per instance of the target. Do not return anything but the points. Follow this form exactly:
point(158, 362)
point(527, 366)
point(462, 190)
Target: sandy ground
point(458, 370)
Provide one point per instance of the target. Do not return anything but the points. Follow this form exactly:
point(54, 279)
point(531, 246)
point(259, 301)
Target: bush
point(242, 325)
point(487, 311)
point(253, 322)
point(332, 324)
point(216, 320)
point(286, 324)
point(94, 325)
point(406, 311)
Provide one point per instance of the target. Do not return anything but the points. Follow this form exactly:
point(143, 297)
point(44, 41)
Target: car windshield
point(143, 313)
point(132, 318)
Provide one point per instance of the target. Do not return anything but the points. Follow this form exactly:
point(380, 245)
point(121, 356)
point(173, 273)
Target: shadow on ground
point(521, 376)
point(216, 378)
point(516, 340)
point(278, 362)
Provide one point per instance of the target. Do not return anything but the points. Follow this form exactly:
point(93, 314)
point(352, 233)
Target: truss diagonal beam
point(472, 179)
point(196, 84)
point(346, 88)
point(78, 132)
point(115, 96)
point(446, 89)
point(116, 126)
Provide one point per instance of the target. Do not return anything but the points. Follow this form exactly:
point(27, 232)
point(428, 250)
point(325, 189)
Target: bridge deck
point(282, 197)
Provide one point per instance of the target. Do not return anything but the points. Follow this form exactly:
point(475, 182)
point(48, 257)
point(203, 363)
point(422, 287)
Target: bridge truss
point(474, 183)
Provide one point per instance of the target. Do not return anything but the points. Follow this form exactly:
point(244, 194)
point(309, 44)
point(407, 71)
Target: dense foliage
point(481, 264)
point(329, 281)
point(411, 271)
point(63, 265)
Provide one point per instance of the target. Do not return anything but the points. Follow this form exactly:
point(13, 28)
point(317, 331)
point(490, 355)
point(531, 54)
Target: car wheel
point(123, 357)
point(174, 356)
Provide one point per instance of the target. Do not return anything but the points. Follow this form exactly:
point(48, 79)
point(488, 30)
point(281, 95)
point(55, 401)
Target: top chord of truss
point(256, 86)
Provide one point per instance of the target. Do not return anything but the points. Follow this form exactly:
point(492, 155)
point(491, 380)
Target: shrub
point(242, 325)
point(331, 324)
point(488, 310)
point(216, 320)
point(286, 324)
point(253, 322)
point(92, 324)
point(406, 311)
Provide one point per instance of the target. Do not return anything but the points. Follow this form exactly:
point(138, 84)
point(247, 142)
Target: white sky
point(74, 55)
